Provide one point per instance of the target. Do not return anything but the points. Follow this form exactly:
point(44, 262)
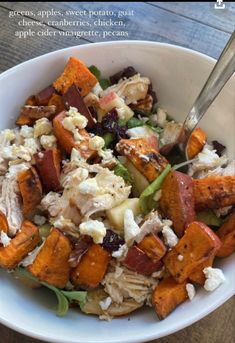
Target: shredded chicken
point(10, 203)
point(152, 224)
point(131, 90)
point(121, 283)
point(171, 133)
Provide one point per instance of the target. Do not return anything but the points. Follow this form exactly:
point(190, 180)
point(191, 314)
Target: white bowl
point(177, 75)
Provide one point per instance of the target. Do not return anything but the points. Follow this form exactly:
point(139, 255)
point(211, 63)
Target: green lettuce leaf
point(63, 297)
point(146, 198)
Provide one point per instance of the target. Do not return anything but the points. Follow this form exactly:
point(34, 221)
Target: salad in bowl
point(95, 208)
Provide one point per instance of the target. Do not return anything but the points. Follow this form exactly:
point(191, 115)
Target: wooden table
point(194, 25)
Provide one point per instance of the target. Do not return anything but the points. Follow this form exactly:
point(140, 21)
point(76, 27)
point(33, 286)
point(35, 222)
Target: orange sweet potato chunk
point(3, 223)
point(48, 165)
point(144, 157)
point(153, 247)
point(92, 268)
point(57, 101)
point(167, 296)
point(214, 192)
point(196, 142)
point(177, 200)
point(198, 243)
point(30, 189)
point(66, 139)
point(75, 72)
point(226, 234)
point(25, 241)
point(197, 275)
point(51, 264)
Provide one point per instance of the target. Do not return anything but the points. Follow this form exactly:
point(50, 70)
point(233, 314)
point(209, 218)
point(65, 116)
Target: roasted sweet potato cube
point(92, 267)
point(31, 101)
point(153, 247)
point(3, 223)
point(214, 192)
point(30, 189)
point(138, 261)
point(177, 201)
point(25, 241)
point(198, 243)
point(24, 120)
point(75, 72)
point(146, 159)
point(66, 139)
point(167, 296)
point(57, 101)
point(48, 166)
point(196, 142)
point(226, 234)
point(51, 264)
point(197, 275)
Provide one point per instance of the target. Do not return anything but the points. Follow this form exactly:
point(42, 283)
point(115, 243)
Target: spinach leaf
point(63, 297)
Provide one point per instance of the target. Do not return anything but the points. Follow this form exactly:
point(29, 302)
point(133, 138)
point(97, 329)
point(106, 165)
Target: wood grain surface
point(195, 25)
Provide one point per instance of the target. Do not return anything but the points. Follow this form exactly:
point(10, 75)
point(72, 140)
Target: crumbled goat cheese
point(48, 141)
point(96, 143)
point(4, 239)
point(161, 117)
point(180, 258)
point(214, 278)
point(131, 229)
point(95, 229)
point(13, 152)
point(169, 236)
point(157, 195)
point(9, 134)
point(26, 131)
point(106, 155)
point(39, 220)
point(74, 119)
point(76, 156)
point(104, 304)
point(140, 132)
point(88, 186)
point(42, 126)
point(32, 145)
point(121, 252)
point(62, 222)
point(207, 159)
point(17, 168)
point(190, 290)
point(72, 111)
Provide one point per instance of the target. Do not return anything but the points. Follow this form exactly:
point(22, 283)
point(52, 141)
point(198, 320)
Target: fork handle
point(222, 71)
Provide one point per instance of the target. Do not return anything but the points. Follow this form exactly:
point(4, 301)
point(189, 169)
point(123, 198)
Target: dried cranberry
point(218, 147)
point(112, 241)
point(109, 121)
point(127, 72)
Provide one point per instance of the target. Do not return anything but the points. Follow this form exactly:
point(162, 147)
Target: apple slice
point(48, 166)
point(139, 262)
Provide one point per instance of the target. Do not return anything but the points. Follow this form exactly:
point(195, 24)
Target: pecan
point(37, 112)
point(143, 105)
